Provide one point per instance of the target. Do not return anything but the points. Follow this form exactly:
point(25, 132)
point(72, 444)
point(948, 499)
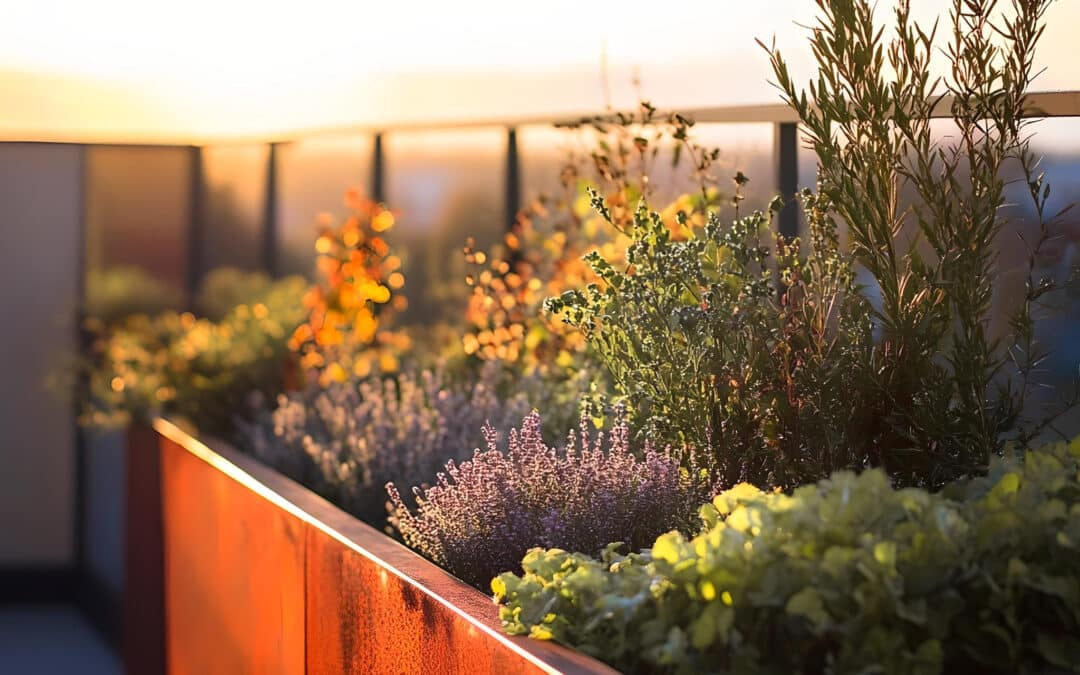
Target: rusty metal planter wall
point(263, 576)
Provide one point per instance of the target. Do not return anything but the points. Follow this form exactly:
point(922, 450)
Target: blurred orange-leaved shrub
point(542, 255)
point(351, 306)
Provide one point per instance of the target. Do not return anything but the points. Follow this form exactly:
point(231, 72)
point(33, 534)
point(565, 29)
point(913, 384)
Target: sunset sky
point(143, 70)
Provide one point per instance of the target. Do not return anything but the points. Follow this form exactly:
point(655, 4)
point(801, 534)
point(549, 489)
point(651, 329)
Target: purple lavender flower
point(481, 516)
point(348, 440)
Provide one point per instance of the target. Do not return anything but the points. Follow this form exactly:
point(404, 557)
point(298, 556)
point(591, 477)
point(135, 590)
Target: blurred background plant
point(542, 254)
point(351, 305)
point(115, 293)
point(201, 369)
point(225, 288)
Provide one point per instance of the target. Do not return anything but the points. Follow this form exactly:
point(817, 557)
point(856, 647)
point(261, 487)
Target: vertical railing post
point(513, 177)
point(270, 214)
point(194, 270)
point(378, 183)
point(787, 176)
point(82, 345)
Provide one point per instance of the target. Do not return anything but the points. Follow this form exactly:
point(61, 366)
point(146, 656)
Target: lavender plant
point(482, 515)
point(349, 439)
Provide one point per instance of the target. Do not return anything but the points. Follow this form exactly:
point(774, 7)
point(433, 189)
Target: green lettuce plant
point(846, 576)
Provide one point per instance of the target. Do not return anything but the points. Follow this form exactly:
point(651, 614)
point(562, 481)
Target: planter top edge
point(390, 555)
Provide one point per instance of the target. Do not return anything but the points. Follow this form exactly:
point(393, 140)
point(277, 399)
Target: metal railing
point(782, 117)
point(785, 146)
point(1039, 104)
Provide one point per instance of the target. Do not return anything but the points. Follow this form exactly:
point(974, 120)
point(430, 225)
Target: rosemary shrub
point(768, 350)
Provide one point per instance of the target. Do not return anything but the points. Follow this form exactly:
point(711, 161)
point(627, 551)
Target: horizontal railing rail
point(1065, 103)
point(1039, 104)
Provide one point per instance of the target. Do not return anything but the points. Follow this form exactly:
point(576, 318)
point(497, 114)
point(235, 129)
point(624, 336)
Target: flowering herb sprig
point(480, 516)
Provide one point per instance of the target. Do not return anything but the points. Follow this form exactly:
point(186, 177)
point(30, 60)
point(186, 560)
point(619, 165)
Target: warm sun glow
point(211, 68)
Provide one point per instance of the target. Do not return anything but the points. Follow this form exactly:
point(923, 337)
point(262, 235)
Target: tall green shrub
point(768, 350)
point(695, 336)
point(937, 370)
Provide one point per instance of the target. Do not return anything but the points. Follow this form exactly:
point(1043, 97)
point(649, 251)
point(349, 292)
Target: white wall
point(40, 205)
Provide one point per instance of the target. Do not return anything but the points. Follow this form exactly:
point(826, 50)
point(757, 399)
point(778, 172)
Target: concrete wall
point(40, 210)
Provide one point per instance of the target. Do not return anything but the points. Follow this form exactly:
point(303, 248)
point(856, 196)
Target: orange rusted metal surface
point(258, 545)
point(234, 574)
point(382, 609)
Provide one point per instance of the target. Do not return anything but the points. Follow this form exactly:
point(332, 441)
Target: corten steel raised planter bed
point(143, 631)
point(264, 576)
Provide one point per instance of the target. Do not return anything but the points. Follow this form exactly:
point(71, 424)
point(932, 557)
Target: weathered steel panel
point(234, 574)
point(364, 619)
